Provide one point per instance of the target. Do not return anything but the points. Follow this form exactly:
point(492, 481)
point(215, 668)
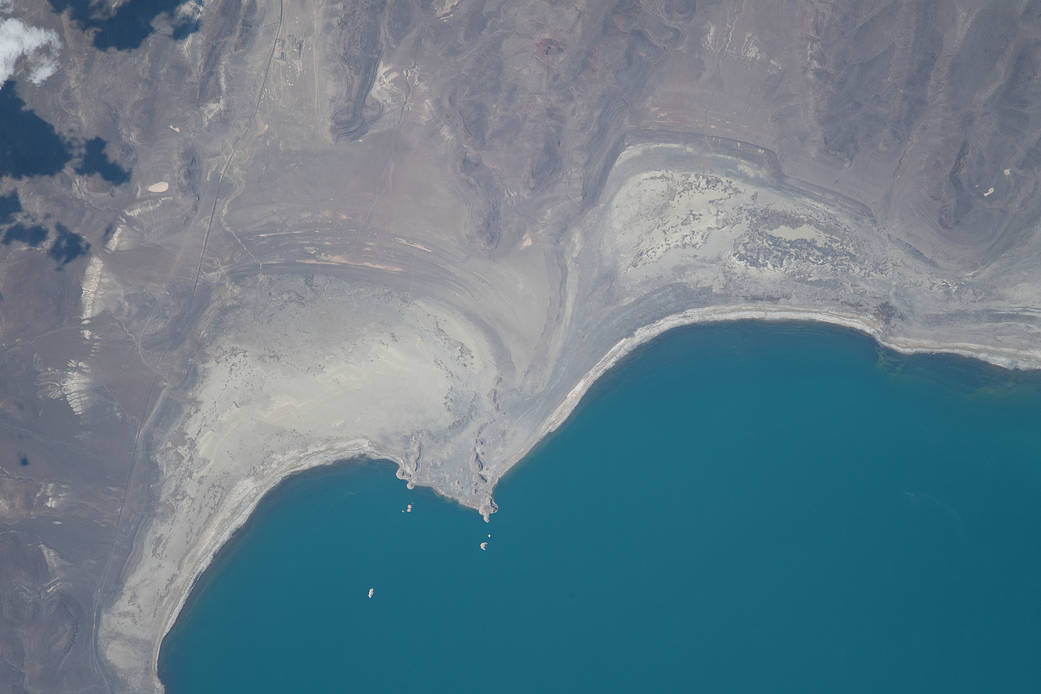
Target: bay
point(743, 507)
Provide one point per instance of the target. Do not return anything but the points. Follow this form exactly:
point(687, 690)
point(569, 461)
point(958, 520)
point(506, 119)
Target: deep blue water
point(129, 25)
point(96, 161)
point(68, 246)
point(10, 205)
point(32, 235)
point(735, 508)
point(29, 145)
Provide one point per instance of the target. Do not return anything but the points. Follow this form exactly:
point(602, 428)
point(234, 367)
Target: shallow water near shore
point(743, 507)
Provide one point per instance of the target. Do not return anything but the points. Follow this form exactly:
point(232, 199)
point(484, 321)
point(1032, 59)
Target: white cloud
point(26, 48)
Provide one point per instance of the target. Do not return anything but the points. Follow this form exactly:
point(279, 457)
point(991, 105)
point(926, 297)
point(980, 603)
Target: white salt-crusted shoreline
point(246, 502)
point(249, 498)
point(1005, 358)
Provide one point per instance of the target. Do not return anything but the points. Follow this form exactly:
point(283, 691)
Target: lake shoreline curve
point(362, 450)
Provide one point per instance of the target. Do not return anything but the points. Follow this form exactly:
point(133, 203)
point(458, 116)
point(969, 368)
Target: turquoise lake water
point(735, 508)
